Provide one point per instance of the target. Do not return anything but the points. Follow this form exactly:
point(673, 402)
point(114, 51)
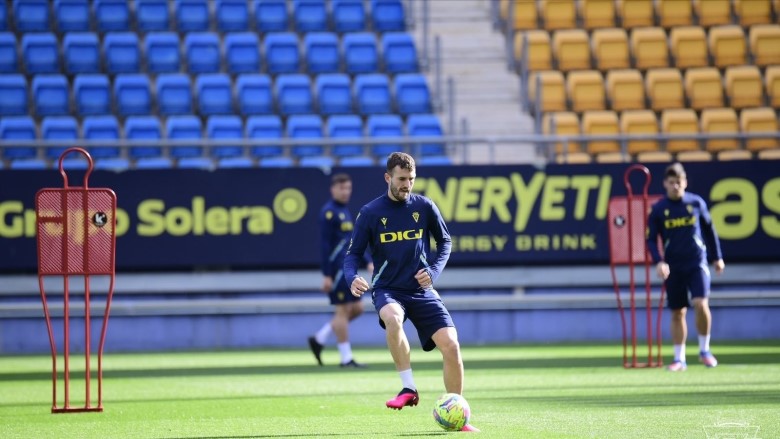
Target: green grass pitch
point(518, 391)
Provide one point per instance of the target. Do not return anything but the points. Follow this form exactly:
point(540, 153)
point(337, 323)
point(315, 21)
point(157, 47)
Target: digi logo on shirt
point(406, 235)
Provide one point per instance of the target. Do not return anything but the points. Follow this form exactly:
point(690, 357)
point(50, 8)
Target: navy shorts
point(694, 280)
point(340, 293)
point(424, 309)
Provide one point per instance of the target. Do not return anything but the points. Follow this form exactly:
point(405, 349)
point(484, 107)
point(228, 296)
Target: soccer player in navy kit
point(397, 228)
point(689, 240)
point(335, 231)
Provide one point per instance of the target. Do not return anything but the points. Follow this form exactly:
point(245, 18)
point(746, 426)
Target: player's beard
point(398, 194)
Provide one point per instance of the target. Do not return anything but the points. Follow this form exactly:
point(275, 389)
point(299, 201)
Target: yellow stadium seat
point(744, 87)
point(694, 156)
point(558, 14)
point(759, 120)
point(673, 13)
point(574, 158)
point(704, 88)
point(765, 44)
point(689, 46)
point(751, 12)
point(664, 88)
point(769, 154)
point(719, 120)
point(680, 121)
point(571, 49)
point(713, 12)
point(727, 46)
point(597, 13)
point(525, 13)
point(585, 89)
point(612, 157)
point(638, 122)
point(634, 13)
point(649, 47)
point(562, 123)
point(654, 157)
point(772, 84)
point(539, 51)
point(610, 48)
point(600, 123)
point(735, 154)
point(625, 90)
point(552, 96)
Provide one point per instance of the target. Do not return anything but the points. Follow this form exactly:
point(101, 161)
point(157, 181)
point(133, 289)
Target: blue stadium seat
point(293, 93)
point(254, 94)
point(51, 95)
point(92, 94)
point(310, 15)
point(174, 94)
point(81, 52)
point(58, 128)
point(281, 52)
point(27, 164)
point(345, 127)
point(202, 52)
point(387, 15)
point(271, 15)
point(18, 128)
point(348, 15)
point(154, 163)
point(235, 162)
point(184, 127)
point(132, 94)
point(372, 94)
point(205, 163)
point(143, 128)
point(102, 127)
point(225, 127)
point(13, 95)
point(9, 58)
point(152, 15)
point(398, 53)
point(305, 126)
point(192, 15)
point(322, 52)
point(71, 15)
point(360, 52)
point(276, 162)
point(264, 127)
point(231, 15)
point(435, 160)
point(334, 93)
point(3, 16)
point(31, 15)
point(111, 15)
point(115, 164)
point(162, 52)
point(385, 125)
point(426, 125)
point(242, 52)
point(358, 160)
point(121, 52)
point(214, 94)
point(41, 53)
point(317, 161)
point(412, 94)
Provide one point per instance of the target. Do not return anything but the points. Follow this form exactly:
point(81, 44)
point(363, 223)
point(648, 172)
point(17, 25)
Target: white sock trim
point(345, 349)
point(679, 352)
point(407, 380)
point(322, 335)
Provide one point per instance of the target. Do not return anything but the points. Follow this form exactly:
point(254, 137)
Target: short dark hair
point(675, 170)
point(339, 178)
point(400, 159)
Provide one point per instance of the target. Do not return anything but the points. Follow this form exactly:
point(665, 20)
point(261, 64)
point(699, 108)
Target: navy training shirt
point(335, 231)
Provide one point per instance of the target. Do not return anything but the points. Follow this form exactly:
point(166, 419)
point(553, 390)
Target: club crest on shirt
point(416, 216)
point(328, 215)
point(666, 212)
point(690, 208)
point(341, 216)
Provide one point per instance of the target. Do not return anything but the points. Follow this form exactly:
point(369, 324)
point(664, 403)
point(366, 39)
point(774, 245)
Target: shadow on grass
point(671, 398)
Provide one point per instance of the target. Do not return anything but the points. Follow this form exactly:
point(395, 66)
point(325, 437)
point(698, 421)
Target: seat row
point(593, 14)
point(203, 52)
point(203, 15)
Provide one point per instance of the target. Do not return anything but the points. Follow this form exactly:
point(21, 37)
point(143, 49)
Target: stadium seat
point(689, 47)
point(92, 95)
point(51, 95)
point(345, 127)
point(639, 122)
point(242, 52)
point(334, 93)
point(132, 94)
point(102, 127)
point(712, 12)
point(357, 160)
point(13, 95)
point(612, 157)
point(412, 94)
point(214, 94)
point(372, 94)
point(294, 94)
point(111, 15)
point(538, 55)
point(664, 89)
point(759, 120)
point(765, 44)
point(81, 53)
point(625, 90)
point(71, 15)
point(143, 128)
point(152, 15)
point(525, 13)
point(597, 13)
point(596, 123)
point(673, 13)
point(174, 94)
point(435, 160)
point(162, 52)
point(585, 89)
point(551, 94)
point(3, 16)
point(727, 46)
point(704, 88)
point(654, 157)
point(649, 47)
point(58, 128)
point(571, 48)
point(743, 87)
point(610, 49)
point(192, 15)
point(281, 52)
point(201, 49)
point(310, 15)
point(398, 53)
point(635, 13)
point(387, 15)
point(225, 127)
point(9, 58)
point(360, 53)
point(18, 128)
point(680, 121)
point(750, 12)
point(322, 52)
point(28, 164)
point(426, 125)
point(772, 84)
point(31, 15)
point(734, 154)
point(121, 52)
point(322, 161)
point(40, 53)
point(305, 126)
point(262, 128)
point(254, 94)
point(557, 14)
point(235, 162)
point(184, 127)
point(348, 15)
point(694, 156)
point(231, 15)
point(276, 162)
point(562, 123)
point(719, 120)
point(384, 125)
point(271, 15)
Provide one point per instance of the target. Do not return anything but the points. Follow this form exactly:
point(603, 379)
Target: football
point(451, 412)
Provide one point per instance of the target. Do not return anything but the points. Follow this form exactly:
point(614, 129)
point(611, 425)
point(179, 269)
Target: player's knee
point(392, 321)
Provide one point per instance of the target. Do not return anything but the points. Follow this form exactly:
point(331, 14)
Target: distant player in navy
point(690, 242)
point(397, 228)
point(335, 231)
